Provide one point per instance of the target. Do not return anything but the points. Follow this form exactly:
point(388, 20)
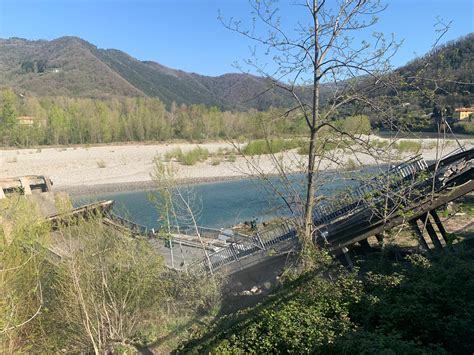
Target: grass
point(465, 127)
point(408, 146)
point(271, 146)
point(101, 164)
point(216, 161)
point(405, 146)
point(190, 157)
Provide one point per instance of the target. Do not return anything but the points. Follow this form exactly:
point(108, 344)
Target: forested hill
point(70, 66)
point(448, 70)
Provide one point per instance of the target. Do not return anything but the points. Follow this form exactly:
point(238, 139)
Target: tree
point(8, 114)
point(23, 234)
point(106, 289)
point(320, 52)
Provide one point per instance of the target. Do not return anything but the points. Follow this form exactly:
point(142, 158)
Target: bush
point(324, 145)
point(464, 127)
point(175, 153)
point(187, 158)
point(271, 146)
point(193, 156)
point(359, 124)
point(408, 146)
point(109, 282)
point(418, 306)
point(216, 161)
point(23, 236)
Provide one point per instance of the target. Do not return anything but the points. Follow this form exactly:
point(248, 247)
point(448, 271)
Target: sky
point(186, 34)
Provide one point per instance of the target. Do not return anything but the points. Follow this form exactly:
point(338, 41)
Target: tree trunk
point(310, 198)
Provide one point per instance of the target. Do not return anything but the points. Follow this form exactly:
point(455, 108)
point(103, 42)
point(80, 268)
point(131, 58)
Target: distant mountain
point(70, 66)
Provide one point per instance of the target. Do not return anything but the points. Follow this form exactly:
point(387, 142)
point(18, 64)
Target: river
point(217, 205)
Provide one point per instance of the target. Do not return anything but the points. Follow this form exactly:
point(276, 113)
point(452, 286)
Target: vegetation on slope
point(70, 66)
point(108, 293)
point(417, 305)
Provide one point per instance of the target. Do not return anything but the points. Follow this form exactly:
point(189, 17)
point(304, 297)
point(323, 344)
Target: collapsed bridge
point(407, 193)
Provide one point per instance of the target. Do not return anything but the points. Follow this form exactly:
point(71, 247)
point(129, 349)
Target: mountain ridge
point(71, 66)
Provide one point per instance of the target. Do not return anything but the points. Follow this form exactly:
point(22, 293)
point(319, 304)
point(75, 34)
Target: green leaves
point(419, 306)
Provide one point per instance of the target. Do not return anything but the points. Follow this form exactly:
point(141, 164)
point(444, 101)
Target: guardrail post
point(260, 240)
point(234, 254)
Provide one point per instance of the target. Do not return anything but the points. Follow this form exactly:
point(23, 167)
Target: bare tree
point(176, 205)
point(321, 51)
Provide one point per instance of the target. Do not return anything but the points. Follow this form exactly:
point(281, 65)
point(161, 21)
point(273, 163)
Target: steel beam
point(439, 225)
point(431, 232)
point(416, 230)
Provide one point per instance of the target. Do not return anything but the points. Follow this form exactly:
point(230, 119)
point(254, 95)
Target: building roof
point(464, 109)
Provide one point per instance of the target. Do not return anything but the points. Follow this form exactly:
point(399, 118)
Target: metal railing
point(234, 252)
point(345, 204)
point(350, 202)
point(132, 226)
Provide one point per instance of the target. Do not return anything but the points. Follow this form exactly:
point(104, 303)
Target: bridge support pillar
point(439, 225)
point(431, 231)
point(421, 240)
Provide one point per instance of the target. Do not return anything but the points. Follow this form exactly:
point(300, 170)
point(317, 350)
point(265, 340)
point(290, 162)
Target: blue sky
point(185, 34)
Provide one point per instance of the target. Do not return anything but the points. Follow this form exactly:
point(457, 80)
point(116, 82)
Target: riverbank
point(125, 167)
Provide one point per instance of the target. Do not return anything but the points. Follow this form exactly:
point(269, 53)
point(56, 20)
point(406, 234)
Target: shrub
point(324, 145)
point(109, 282)
point(423, 305)
point(359, 124)
point(408, 146)
point(351, 164)
point(190, 157)
point(216, 161)
point(193, 156)
point(464, 127)
point(262, 146)
point(175, 153)
point(23, 236)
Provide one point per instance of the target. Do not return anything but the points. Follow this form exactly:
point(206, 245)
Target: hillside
point(448, 70)
point(70, 66)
